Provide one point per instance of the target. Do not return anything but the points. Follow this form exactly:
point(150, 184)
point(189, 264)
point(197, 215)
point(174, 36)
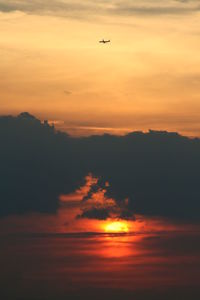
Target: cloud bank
point(155, 173)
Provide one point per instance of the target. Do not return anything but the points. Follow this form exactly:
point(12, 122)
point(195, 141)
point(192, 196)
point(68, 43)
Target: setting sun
point(116, 227)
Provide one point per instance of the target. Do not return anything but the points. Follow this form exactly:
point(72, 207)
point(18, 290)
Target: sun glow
point(116, 227)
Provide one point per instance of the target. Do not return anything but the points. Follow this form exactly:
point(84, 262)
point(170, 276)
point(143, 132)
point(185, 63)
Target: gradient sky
point(147, 77)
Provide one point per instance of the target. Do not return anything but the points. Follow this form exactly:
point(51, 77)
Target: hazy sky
point(147, 77)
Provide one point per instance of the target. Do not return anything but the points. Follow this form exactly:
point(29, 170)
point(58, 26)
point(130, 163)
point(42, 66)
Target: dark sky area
point(158, 172)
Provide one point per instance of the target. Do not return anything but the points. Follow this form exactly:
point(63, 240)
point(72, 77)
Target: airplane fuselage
point(104, 42)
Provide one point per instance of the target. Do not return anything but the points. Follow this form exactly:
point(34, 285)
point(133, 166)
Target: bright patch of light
point(116, 227)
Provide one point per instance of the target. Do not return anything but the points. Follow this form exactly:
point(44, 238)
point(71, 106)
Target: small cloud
point(96, 205)
point(95, 213)
point(56, 122)
point(67, 93)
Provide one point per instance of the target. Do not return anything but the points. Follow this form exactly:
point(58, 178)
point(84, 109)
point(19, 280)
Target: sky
point(53, 66)
point(99, 217)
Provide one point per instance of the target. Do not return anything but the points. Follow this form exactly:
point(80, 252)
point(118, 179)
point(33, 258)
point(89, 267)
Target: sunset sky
point(53, 66)
point(89, 215)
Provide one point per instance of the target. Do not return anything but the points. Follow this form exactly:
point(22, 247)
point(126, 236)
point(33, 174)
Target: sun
point(118, 226)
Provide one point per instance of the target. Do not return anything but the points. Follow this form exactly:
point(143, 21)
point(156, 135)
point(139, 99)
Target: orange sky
point(147, 77)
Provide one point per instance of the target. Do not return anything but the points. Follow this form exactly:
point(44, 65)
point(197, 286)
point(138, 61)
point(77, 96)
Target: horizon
point(99, 130)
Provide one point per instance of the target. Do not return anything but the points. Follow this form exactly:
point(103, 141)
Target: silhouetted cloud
point(155, 173)
point(96, 205)
point(95, 213)
point(37, 164)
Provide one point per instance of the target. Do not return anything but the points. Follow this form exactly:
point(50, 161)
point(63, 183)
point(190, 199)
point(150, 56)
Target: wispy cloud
point(77, 8)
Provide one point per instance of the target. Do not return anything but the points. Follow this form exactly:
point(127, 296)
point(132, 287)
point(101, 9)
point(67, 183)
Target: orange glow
point(64, 80)
point(81, 192)
point(118, 226)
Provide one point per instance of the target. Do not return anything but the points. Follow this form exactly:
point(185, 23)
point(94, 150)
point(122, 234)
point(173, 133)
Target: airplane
point(103, 41)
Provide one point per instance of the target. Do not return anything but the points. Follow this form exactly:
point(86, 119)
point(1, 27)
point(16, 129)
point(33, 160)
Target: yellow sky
point(147, 77)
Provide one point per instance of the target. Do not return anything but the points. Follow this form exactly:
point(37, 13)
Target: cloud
point(95, 213)
point(67, 93)
point(155, 173)
point(36, 165)
point(54, 7)
point(89, 8)
point(96, 205)
point(156, 7)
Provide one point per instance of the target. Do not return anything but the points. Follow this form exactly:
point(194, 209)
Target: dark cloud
point(95, 213)
point(37, 164)
point(96, 205)
point(155, 173)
